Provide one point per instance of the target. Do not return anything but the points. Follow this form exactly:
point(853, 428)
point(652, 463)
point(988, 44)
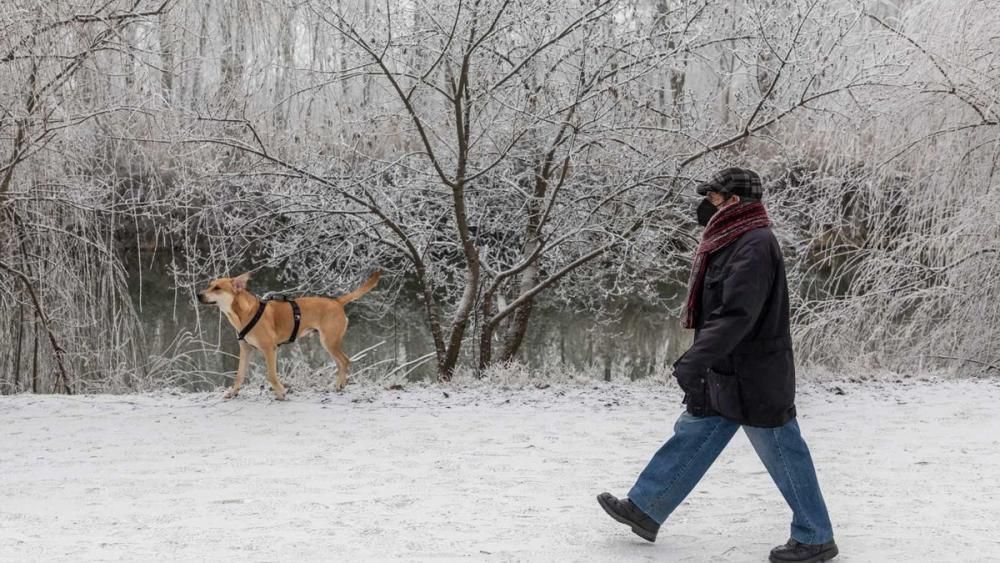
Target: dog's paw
point(230, 394)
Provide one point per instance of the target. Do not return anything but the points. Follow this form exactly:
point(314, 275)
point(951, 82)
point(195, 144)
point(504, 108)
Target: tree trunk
point(282, 80)
point(34, 360)
point(17, 350)
point(166, 58)
point(727, 64)
point(515, 333)
point(202, 47)
point(486, 333)
point(367, 79)
point(233, 52)
point(433, 319)
point(532, 237)
point(462, 116)
point(677, 80)
point(468, 300)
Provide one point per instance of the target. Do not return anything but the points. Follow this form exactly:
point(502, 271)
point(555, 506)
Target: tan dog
point(324, 315)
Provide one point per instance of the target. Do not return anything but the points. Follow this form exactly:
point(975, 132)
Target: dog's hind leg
point(241, 371)
point(271, 357)
point(332, 344)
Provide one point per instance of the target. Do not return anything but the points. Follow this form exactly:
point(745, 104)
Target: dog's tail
point(359, 292)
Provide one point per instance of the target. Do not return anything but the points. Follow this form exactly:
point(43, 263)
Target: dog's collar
point(296, 317)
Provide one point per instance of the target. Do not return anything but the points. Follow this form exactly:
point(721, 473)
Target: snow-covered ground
point(911, 472)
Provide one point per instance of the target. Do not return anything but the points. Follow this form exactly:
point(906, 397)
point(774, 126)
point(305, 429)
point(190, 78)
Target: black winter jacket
point(740, 365)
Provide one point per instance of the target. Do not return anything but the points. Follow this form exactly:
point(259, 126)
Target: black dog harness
point(296, 316)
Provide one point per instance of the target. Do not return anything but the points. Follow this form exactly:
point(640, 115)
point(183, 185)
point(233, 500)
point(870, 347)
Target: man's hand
point(694, 393)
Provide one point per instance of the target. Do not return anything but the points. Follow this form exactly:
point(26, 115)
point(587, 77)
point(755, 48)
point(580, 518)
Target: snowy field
point(910, 471)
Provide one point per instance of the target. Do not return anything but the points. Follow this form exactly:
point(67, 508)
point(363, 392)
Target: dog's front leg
point(271, 357)
point(241, 371)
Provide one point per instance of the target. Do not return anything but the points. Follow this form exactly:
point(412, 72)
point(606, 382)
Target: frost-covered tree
point(497, 156)
point(64, 317)
point(496, 148)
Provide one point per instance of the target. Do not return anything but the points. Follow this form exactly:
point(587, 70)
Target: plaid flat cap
point(739, 181)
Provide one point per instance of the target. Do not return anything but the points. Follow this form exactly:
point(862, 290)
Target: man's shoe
point(629, 514)
point(804, 553)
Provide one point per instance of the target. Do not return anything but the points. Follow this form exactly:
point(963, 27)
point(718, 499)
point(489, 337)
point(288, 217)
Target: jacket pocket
point(767, 379)
point(724, 395)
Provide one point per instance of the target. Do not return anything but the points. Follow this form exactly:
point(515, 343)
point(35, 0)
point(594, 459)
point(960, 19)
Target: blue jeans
point(697, 441)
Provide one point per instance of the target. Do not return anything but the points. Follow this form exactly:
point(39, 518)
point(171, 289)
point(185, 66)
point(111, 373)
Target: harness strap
point(253, 322)
point(297, 317)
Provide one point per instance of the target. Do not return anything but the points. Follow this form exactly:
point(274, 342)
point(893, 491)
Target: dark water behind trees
point(389, 333)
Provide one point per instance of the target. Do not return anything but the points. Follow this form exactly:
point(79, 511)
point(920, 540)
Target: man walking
point(738, 372)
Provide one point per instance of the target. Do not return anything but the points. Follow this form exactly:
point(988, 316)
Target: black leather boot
point(629, 514)
point(804, 553)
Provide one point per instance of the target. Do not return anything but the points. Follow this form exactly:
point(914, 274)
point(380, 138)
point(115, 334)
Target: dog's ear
point(240, 282)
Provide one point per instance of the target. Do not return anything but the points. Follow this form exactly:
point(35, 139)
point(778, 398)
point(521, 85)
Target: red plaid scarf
point(727, 225)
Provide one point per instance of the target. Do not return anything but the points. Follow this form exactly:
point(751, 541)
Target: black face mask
point(705, 212)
